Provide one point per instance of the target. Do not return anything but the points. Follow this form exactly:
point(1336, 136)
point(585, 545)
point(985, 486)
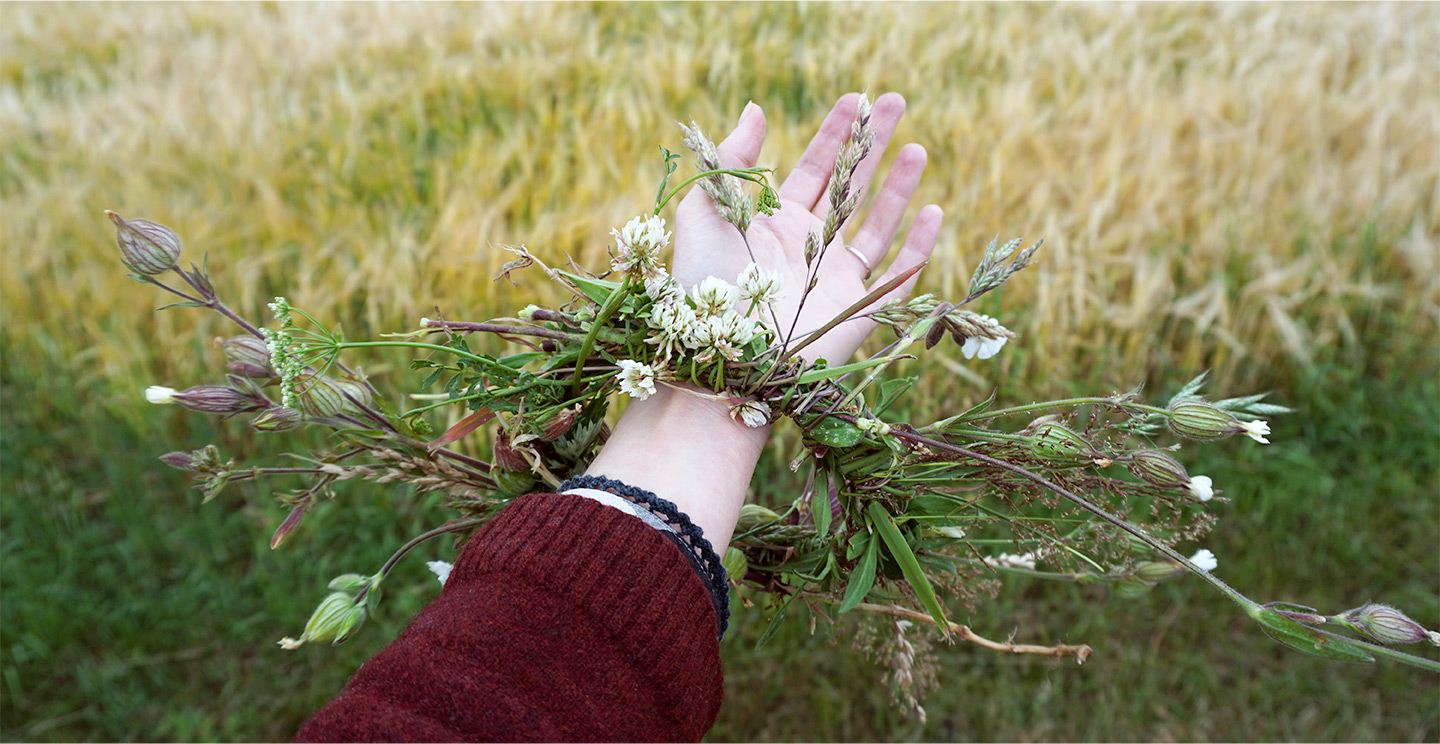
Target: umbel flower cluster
point(892, 519)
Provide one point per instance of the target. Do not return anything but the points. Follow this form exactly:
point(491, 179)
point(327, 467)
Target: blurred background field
point(1250, 189)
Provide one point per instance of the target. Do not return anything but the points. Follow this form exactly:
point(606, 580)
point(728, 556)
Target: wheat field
point(1196, 171)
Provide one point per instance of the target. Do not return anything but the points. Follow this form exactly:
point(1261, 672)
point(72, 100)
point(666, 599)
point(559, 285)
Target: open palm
point(707, 245)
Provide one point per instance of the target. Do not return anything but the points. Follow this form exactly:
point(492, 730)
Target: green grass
point(134, 612)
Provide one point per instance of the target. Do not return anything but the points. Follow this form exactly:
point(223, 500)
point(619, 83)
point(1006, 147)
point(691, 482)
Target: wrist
point(686, 449)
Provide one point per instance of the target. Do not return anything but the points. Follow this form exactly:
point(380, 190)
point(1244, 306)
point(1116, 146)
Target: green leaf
point(776, 621)
point(598, 290)
point(861, 579)
point(826, 373)
point(186, 303)
point(1306, 639)
point(890, 391)
point(836, 433)
point(908, 565)
point(820, 505)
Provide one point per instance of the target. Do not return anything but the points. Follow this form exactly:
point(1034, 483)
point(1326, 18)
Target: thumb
point(742, 148)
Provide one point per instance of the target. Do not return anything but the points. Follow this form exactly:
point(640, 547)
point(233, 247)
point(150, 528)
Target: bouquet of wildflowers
point(894, 518)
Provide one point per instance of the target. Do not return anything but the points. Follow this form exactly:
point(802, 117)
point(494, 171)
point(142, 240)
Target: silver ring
point(863, 260)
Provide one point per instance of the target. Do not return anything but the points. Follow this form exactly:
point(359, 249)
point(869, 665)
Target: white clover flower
point(759, 286)
point(636, 379)
point(1256, 430)
point(638, 245)
point(714, 296)
point(1006, 560)
point(441, 570)
point(662, 288)
point(1200, 487)
point(725, 335)
point(160, 396)
point(754, 414)
point(674, 325)
point(1204, 559)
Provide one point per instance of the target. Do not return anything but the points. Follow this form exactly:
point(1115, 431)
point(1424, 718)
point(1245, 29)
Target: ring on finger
point(863, 260)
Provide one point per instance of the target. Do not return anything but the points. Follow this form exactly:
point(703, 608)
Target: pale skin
point(686, 448)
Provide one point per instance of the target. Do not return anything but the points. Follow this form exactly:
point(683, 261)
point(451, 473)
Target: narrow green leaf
point(1307, 640)
point(776, 621)
point(820, 504)
point(908, 565)
point(827, 373)
point(861, 579)
point(597, 290)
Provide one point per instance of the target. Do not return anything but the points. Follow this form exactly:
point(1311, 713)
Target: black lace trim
point(688, 537)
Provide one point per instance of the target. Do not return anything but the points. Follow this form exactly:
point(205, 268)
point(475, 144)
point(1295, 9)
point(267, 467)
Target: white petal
point(1200, 486)
point(971, 345)
point(160, 396)
point(441, 569)
point(1204, 559)
point(1256, 430)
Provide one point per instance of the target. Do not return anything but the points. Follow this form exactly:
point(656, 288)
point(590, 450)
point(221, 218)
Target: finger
point(742, 148)
point(883, 221)
point(806, 183)
point(919, 244)
point(884, 118)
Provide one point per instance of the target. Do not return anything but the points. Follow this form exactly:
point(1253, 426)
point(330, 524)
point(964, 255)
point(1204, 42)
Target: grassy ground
point(1250, 189)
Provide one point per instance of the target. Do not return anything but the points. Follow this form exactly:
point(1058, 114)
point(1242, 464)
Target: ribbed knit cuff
point(622, 573)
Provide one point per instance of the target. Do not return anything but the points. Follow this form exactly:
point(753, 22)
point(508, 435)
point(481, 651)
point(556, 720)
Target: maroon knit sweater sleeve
point(563, 619)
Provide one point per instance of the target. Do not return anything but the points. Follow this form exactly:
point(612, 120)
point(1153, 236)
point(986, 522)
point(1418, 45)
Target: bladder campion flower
point(1200, 487)
point(1256, 430)
point(159, 395)
point(1204, 559)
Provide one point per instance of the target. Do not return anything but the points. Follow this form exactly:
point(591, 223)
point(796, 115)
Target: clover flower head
point(638, 246)
point(160, 396)
point(674, 324)
point(1200, 487)
point(759, 286)
point(1204, 559)
point(714, 296)
point(662, 288)
point(725, 335)
point(637, 379)
point(754, 413)
point(1256, 430)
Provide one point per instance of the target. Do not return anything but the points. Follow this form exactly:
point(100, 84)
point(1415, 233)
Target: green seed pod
point(276, 419)
point(358, 391)
point(1059, 446)
point(735, 564)
point(351, 582)
point(1154, 572)
point(330, 616)
point(517, 482)
point(321, 397)
point(1154, 466)
point(1129, 588)
point(1201, 421)
point(146, 247)
point(754, 515)
point(1385, 624)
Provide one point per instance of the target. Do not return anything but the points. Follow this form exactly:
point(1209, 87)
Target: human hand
point(707, 245)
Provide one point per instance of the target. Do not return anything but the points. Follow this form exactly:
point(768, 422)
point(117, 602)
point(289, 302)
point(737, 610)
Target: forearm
point(688, 450)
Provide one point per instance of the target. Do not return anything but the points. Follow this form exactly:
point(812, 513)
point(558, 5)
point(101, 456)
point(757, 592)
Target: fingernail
point(749, 106)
